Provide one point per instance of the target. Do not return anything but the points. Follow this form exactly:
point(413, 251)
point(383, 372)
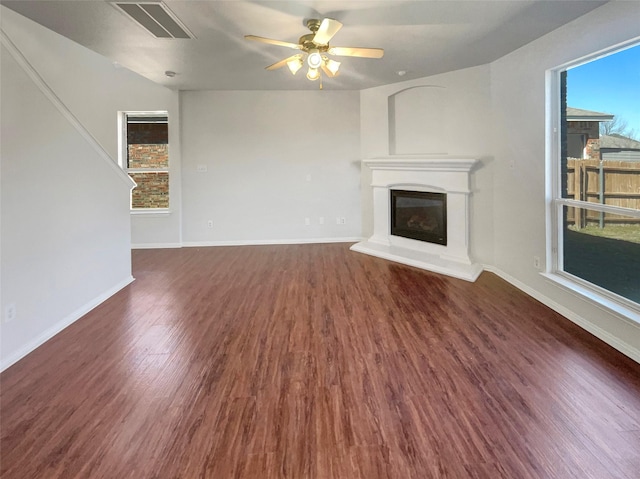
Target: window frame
point(123, 155)
point(554, 267)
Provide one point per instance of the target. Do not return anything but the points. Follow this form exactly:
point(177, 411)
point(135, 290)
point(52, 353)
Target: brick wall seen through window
point(148, 160)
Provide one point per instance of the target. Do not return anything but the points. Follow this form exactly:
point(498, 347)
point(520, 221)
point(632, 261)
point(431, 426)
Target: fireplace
point(419, 215)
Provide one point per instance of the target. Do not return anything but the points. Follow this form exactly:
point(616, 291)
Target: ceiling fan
point(315, 49)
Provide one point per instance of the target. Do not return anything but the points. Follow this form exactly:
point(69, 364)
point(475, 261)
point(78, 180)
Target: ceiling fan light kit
point(313, 74)
point(295, 64)
point(315, 50)
point(314, 59)
point(332, 66)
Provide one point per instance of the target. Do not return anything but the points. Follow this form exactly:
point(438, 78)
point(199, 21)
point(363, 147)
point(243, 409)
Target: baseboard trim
point(189, 244)
point(598, 332)
point(155, 245)
point(62, 324)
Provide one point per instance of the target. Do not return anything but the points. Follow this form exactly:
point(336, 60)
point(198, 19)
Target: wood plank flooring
point(312, 361)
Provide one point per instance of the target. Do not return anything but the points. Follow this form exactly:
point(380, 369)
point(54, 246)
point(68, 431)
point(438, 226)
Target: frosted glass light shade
point(313, 74)
point(314, 59)
point(333, 66)
point(295, 65)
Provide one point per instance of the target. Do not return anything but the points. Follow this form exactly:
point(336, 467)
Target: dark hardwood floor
point(312, 361)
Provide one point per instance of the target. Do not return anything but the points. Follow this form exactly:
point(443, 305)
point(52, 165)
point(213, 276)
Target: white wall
point(65, 217)
point(94, 90)
point(66, 228)
point(466, 127)
point(273, 158)
point(518, 92)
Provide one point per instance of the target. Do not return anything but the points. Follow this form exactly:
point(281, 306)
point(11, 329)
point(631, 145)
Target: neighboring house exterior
point(583, 133)
point(601, 169)
point(620, 148)
point(584, 140)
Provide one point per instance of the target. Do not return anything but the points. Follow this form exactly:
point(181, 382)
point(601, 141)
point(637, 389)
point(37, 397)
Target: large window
point(595, 207)
point(145, 157)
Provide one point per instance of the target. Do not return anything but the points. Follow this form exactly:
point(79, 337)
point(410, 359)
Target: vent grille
point(155, 18)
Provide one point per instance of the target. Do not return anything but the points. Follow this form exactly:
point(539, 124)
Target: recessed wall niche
point(417, 121)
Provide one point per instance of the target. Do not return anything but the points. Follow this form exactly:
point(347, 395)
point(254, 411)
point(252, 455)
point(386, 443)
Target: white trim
point(188, 244)
point(605, 52)
point(585, 205)
point(63, 323)
point(195, 244)
point(606, 300)
point(155, 245)
point(420, 163)
point(590, 118)
point(552, 151)
point(148, 170)
point(42, 85)
point(613, 341)
point(150, 211)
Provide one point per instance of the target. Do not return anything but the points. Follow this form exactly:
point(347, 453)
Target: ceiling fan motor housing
point(306, 43)
point(313, 24)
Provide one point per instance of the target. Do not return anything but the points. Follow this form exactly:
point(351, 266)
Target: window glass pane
point(147, 143)
point(147, 132)
point(600, 121)
point(603, 249)
point(152, 190)
point(610, 182)
point(148, 156)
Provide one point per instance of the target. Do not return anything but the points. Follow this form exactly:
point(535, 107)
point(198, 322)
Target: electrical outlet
point(201, 168)
point(536, 262)
point(10, 313)
point(210, 224)
point(343, 221)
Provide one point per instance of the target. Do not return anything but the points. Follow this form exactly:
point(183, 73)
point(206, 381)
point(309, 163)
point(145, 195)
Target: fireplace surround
point(422, 177)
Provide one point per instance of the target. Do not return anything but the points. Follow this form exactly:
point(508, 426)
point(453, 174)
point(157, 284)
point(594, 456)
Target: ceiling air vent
point(156, 18)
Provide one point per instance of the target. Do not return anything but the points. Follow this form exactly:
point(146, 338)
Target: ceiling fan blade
point(356, 52)
point(282, 63)
point(272, 42)
point(328, 28)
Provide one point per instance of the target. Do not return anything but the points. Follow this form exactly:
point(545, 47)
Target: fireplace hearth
point(421, 213)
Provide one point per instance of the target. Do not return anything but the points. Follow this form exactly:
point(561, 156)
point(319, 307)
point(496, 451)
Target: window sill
point(151, 212)
point(622, 308)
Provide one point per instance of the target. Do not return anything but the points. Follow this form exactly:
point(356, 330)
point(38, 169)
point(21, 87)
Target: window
point(145, 157)
point(595, 179)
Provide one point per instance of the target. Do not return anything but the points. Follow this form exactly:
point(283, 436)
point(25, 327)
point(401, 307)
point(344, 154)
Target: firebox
point(419, 215)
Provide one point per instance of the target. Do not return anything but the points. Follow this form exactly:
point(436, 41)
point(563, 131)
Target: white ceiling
point(422, 37)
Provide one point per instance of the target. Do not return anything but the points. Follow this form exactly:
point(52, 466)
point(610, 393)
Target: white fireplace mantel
point(442, 174)
point(457, 163)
